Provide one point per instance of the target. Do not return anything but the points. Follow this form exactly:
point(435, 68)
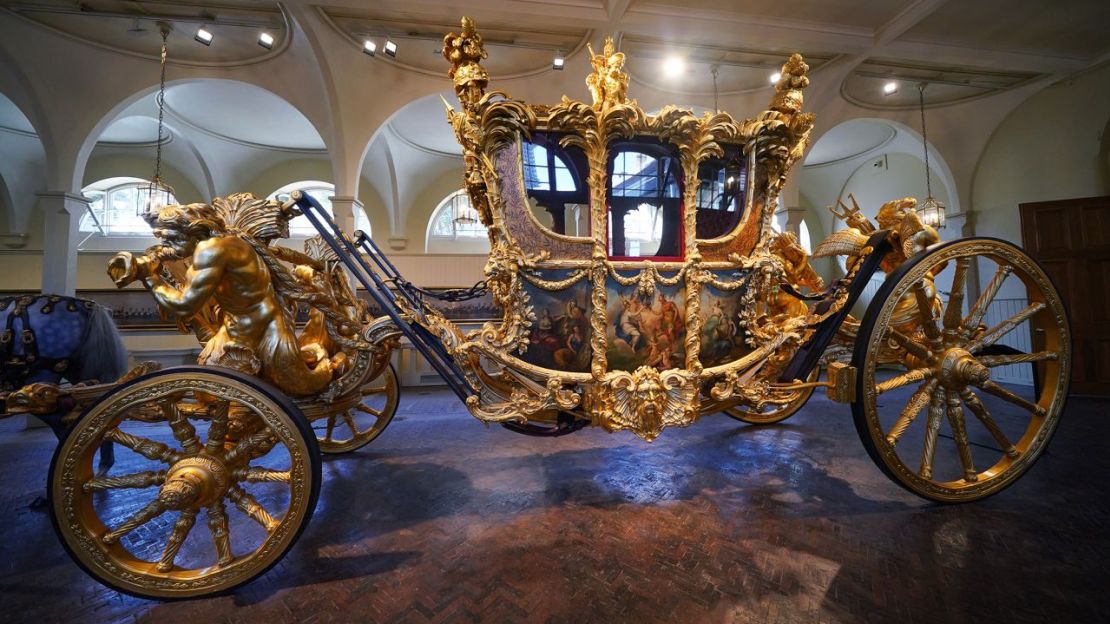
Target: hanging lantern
point(157, 193)
point(464, 213)
point(932, 212)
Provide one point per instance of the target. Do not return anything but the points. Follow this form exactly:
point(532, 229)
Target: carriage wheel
point(977, 436)
point(216, 475)
point(354, 428)
point(770, 414)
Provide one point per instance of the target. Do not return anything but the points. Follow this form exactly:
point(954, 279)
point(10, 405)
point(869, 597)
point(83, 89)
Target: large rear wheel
point(921, 351)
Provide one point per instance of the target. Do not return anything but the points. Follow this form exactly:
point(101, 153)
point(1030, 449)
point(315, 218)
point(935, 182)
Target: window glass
point(720, 197)
point(455, 218)
point(321, 192)
point(554, 179)
point(116, 205)
point(645, 205)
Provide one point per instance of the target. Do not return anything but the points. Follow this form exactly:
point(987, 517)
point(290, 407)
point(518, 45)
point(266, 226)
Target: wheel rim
point(771, 413)
point(943, 387)
point(212, 483)
point(356, 427)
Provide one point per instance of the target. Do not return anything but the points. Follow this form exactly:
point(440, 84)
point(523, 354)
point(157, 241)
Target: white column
point(61, 214)
point(794, 220)
point(344, 208)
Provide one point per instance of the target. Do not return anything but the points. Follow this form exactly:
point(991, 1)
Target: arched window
point(321, 192)
point(455, 219)
point(115, 205)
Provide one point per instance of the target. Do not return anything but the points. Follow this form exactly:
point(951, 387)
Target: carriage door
point(1071, 239)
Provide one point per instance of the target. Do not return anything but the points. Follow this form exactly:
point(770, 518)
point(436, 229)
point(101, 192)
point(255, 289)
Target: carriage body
point(622, 333)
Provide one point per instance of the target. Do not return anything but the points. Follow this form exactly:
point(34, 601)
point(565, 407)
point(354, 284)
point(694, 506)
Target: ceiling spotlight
point(266, 40)
point(890, 87)
point(775, 77)
point(558, 63)
point(369, 47)
point(390, 48)
point(203, 36)
point(674, 66)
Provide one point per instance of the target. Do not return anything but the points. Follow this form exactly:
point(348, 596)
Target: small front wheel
point(354, 428)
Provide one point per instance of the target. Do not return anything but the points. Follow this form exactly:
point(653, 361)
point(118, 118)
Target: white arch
point(93, 135)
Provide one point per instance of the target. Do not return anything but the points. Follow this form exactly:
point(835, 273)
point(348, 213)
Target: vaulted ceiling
point(962, 49)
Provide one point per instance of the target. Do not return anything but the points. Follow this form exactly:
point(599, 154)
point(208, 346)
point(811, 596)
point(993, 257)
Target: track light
point(266, 40)
point(674, 66)
point(558, 63)
point(369, 47)
point(775, 77)
point(203, 36)
point(890, 88)
point(390, 48)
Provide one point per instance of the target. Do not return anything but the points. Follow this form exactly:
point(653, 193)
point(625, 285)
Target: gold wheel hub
point(958, 369)
point(194, 482)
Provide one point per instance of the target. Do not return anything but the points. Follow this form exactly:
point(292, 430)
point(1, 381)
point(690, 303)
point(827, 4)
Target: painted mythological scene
point(560, 337)
point(722, 336)
point(646, 330)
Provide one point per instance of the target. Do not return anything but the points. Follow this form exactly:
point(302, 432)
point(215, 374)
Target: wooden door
point(1071, 240)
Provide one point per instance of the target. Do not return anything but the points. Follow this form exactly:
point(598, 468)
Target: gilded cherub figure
point(608, 82)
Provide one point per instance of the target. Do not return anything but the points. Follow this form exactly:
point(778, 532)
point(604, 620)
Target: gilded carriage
point(641, 285)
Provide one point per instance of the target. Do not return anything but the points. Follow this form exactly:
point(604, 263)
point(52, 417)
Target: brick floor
point(444, 519)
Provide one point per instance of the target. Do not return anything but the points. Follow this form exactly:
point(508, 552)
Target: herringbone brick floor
point(443, 519)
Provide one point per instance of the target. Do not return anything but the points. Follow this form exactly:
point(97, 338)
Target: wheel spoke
point(918, 374)
point(250, 506)
point(217, 431)
point(331, 428)
point(139, 480)
point(936, 413)
point(954, 311)
point(976, 406)
point(975, 316)
point(221, 536)
point(152, 510)
point(146, 447)
point(369, 391)
point(369, 410)
point(181, 530)
point(915, 348)
point(262, 475)
point(998, 331)
point(917, 403)
point(183, 431)
point(1018, 358)
point(247, 445)
point(925, 311)
point(351, 424)
point(959, 433)
point(1006, 395)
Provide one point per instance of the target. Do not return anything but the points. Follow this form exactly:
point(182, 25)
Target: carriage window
point(554, 178)
point(720, 198)
point(645, 202)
